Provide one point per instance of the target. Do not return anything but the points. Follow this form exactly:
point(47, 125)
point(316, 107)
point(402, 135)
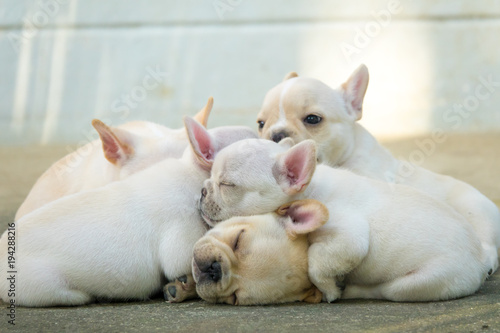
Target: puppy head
point(305, 108)
point(205, 144)
point(135, 146)
point(259, 259)
point(255, 177)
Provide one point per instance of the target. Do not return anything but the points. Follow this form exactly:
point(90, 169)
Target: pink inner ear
point(296, 164)
point(205, 148)
point(358, 95)
point(303, 220)
point(355, 88)
point(204, 145)
point(302, 217)
point(110, 147)
point(114, 150)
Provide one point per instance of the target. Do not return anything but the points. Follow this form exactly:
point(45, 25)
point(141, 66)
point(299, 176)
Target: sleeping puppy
point(118, 241)
point(304, 108)
point(385, 242)
point(126, 149)
point(259, 259)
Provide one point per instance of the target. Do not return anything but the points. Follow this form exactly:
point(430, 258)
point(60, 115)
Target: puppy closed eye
point(226, 184)
point(237, 240)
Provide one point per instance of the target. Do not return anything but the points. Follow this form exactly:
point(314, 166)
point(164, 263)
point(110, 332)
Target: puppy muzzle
point(207, 209)
point(278, 136)
point(207, 272)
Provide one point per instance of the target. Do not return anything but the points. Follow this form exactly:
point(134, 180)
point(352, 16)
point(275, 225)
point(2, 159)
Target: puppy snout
point(277, 137)
point(212, 271)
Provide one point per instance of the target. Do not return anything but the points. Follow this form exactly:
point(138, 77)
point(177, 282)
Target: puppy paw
point(181, 289)
point(331, 295)
point(332, 289)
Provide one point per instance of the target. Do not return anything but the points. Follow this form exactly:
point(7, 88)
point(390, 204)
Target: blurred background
point(434, 64)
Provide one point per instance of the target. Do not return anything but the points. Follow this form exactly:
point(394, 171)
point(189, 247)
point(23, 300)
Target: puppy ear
point(202, 116)
point(201, 143)
point(115, 143)
point(294, 169)
point(303, 216)
point(290, 75)
point(354, 91)
point(312, 295)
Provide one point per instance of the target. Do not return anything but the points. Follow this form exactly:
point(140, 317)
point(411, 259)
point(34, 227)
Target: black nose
point(203, 192)
point(214, 271)
point(277, 137)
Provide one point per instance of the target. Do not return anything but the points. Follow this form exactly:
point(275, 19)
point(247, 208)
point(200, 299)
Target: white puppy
point(128, 148)
point(388, 242)
point(305, 108)
point(118, 241)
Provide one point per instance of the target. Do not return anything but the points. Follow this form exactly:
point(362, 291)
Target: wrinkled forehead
point(247, 154)
point(298, 90)
point(236, 222)
point(269, 272)
point(226, 135)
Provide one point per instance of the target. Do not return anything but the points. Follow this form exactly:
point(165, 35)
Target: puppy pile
point(315, 210)
point(124, 240)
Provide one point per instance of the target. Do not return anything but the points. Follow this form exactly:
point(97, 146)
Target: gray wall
point(63, 62)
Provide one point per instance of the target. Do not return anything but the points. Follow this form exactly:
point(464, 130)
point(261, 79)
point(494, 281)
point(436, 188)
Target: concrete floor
point(472, 158)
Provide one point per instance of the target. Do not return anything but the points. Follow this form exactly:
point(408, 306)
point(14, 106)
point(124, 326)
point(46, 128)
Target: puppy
point(386, 242)
point(118, 241)
point(258, 259)
point(128, 148)
point(305, 108)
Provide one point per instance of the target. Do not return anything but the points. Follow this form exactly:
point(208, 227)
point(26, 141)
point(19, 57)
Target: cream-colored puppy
point(117, 241)
point(128, 148)
point(305, 108)
point(387, 242)
point(259, 259)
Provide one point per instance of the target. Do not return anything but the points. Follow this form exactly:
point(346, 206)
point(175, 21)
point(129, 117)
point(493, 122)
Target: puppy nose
point(277, 137)
point(203, 192)
point(214, 271)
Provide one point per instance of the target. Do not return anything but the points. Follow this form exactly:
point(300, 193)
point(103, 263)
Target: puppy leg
point(334, 253)
point(41, 285)
point(421, 285)
point(183, 288)
point(484, 217)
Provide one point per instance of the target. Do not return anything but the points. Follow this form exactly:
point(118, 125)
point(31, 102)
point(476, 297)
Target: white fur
point(87, 168)
point(344, 142)
point(384, 241)
point(118, 241)
point(281, 123)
